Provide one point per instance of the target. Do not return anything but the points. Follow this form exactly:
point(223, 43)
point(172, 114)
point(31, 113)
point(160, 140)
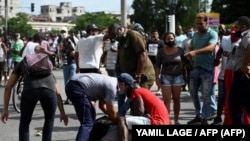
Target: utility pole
point(171, 17)
point(6, 18)
point(123, 13)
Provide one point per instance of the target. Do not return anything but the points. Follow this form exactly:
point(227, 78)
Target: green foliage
point(102, 20)
point(152, 14)
point(145, 13)
point(230, 10)
point(186, 11)
point(19, 24)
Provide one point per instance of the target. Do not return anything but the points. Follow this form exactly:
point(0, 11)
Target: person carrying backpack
point(42, 88)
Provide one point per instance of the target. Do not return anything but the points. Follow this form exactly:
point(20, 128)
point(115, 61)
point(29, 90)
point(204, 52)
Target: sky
point(89, 5)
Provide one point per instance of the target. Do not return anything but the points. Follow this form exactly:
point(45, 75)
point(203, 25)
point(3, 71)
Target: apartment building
point(12, 7)
point(60, 13)
point(50, 15)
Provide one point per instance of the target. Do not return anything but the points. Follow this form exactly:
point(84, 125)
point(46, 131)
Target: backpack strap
point(72, 42)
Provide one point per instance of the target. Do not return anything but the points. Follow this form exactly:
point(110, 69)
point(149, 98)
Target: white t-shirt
point(226, 45)
point(30, 48)
point(90, 51)
point(1, 53)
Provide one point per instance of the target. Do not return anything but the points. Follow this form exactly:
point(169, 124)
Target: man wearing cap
point(89, 50)
point(144, 100)
point(85, 88)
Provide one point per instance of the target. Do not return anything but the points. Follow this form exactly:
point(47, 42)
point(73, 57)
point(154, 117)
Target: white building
point(12, 8)
point(48, 26)
point(51, 15)
point(62, 12)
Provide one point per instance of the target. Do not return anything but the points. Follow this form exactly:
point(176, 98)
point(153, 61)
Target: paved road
point(9, 131)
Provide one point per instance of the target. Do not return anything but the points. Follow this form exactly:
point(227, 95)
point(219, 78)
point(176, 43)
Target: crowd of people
point(193, 61)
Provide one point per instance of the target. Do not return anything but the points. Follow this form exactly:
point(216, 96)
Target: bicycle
point(16, 94)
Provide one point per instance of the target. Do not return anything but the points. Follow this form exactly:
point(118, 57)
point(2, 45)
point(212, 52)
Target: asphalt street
point(9, 131)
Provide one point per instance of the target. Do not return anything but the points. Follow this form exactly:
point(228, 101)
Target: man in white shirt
point(89, 51)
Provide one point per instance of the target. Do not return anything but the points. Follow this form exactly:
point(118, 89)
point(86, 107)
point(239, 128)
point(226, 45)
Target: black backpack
point(100, 128)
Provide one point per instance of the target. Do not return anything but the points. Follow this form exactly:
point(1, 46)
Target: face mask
point(170, 43)
point(190, 34)
point(64, 35)
point(238, 33)
point(234, 38)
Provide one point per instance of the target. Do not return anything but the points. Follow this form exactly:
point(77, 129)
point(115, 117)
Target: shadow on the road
point(99, 114)
point(61, 129)
point(70, 116)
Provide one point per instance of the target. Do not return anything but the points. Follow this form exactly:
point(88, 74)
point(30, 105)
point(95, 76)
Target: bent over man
point(84, 89)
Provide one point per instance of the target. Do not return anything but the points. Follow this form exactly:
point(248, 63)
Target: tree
point(19, 24)
point(146, 13)
point(230, 10)
point(185, 13)
point(152, 14)
point(102, 20)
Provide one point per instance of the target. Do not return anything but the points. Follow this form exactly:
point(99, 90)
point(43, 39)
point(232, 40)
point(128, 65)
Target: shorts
point(3, 67)
point(168, 80)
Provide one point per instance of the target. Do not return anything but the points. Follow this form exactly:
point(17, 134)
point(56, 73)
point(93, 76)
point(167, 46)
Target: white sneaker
point(158, 93)
point(38, 133)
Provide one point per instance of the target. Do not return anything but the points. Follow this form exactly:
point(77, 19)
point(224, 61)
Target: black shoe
point(217, 121)
point(67, 102)
point(196, 121)
point(204, 122)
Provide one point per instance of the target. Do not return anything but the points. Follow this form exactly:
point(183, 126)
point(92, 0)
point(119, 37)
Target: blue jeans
point(69, 71)
point(202, 78)
point(123, 104)
point(85, 112)
point(29, 99)
point(222, 91)
point(213, 107)
point(9, 62)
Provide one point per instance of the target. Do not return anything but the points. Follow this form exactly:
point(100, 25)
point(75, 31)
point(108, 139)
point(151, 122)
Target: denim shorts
point(168, 80)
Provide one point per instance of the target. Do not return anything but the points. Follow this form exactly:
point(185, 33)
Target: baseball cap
point(92, 27)
point(138, 27)
point(127, 79)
